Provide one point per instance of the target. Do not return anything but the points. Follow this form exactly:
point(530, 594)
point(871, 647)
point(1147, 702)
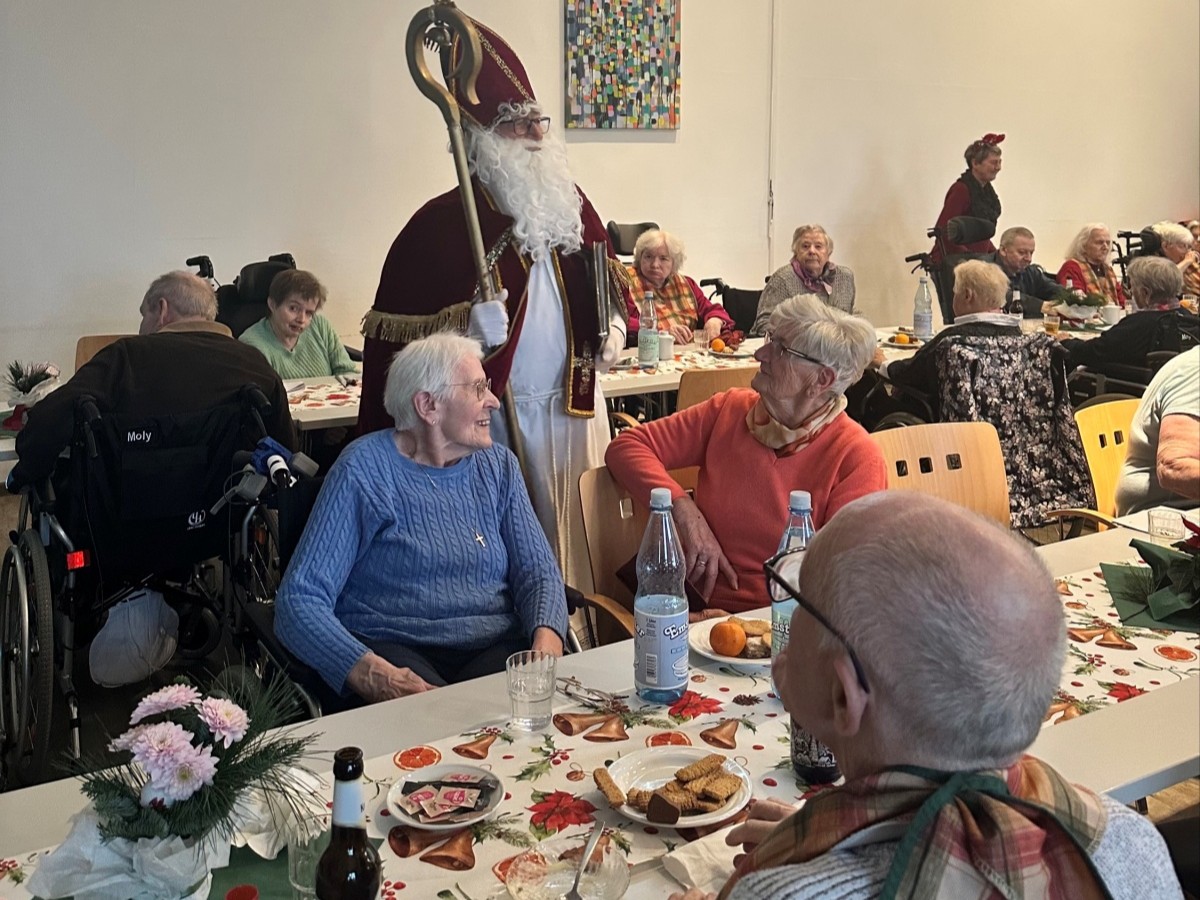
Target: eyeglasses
point(522, 127)
point(781, 571)
point(783, 348)
point(481, 387)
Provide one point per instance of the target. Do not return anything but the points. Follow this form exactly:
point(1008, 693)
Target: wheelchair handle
point(259, 406)
point(203, 263)
point(916, 257)
point(88, 414)
point(709, 282)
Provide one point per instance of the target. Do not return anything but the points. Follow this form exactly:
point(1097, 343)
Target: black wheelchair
point(131, 507)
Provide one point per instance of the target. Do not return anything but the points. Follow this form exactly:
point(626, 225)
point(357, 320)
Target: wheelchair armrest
point(911, 392)
point(261, 618)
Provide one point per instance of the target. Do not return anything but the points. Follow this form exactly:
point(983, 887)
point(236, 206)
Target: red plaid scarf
point(1100, 280)
point(1017, 832)
point(674, 303)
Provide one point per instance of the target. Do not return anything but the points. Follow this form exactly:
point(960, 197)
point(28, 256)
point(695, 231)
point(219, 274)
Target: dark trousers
point(450, 665)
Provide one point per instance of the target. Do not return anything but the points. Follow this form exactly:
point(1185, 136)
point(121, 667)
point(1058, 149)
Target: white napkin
point(706, 863)
point(264, 822)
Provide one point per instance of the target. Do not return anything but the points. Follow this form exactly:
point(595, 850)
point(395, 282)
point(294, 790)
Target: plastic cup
point(306, 843)
point(666, 345)
point(531, 688)
point(1051, 322)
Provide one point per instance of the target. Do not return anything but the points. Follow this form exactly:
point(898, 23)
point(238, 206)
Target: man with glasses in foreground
point(541, 333)
point(927, 666)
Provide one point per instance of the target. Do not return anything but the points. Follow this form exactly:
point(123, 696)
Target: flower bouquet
point(1165, 593)
point(1079, 307)
point(192, 769)
point(27, 383)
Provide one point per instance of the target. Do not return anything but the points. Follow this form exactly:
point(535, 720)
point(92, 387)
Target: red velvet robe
point(428, 281)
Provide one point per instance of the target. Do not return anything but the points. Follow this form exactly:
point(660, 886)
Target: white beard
point(534, 187)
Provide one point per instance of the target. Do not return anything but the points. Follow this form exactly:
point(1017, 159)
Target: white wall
point(136, 133)
point(1099, 99)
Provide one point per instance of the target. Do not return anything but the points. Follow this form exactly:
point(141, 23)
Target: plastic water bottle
point(660, 609)
point(648, 334)
point(796, 536)
point(923, 311)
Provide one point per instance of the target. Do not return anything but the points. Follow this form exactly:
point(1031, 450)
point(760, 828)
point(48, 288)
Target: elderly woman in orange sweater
point(788, 432)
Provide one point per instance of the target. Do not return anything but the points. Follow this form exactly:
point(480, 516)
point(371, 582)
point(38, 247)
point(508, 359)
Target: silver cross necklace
point(478, 536)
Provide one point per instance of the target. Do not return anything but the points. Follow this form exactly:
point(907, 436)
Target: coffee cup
point(666, 345)
point(1111, 314)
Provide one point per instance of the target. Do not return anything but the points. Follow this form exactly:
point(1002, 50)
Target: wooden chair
point(957, 461)
point(697, 385)
point(91, 344)
point(613, 527)
point(1104, 430)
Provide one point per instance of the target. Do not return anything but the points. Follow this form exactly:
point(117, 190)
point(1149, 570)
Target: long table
point(1127, 749)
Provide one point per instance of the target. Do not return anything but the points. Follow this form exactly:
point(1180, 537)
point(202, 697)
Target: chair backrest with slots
point(1104, 430)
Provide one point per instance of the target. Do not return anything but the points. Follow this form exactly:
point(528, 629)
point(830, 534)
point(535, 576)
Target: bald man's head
point(956, 621)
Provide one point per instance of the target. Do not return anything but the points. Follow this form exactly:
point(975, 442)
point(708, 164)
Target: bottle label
point(647, 347)
point(349, 810)
point(923, 324)
point(781, 624)
point(660, 652)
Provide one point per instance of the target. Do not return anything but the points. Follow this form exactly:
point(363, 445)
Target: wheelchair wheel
point(26, 661)
point(898, 420)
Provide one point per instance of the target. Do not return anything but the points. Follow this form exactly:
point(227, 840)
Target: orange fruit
point(668, 739)
point(417, 757)
point(718, 345)
point(727, 638)
point(901, 338)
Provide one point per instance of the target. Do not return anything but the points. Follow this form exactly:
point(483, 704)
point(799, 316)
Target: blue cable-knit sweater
point(390, 553)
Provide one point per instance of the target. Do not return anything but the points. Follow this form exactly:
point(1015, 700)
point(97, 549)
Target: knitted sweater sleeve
point(335, 351)
point(863, 471)
point(339, 528)
point(533, 574)
point(777, 290)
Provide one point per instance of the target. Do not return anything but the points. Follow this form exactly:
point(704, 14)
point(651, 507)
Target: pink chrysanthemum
point(227, 721)
point(126, 740)
point(156, 747)
point(185, 771)
point(173, 696)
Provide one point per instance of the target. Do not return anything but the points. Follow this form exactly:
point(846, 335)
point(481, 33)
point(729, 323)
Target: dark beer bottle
point(349, 868)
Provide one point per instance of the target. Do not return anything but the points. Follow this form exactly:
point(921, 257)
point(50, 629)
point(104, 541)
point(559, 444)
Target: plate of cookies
point(743, 640)
point(683, 787)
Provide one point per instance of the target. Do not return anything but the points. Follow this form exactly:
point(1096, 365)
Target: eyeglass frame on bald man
point(769, 569)
point(521, 127)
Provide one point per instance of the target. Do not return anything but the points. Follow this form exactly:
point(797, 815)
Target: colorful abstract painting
point(622, 63)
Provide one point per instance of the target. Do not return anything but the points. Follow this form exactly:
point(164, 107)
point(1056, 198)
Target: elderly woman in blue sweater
point(423, 563)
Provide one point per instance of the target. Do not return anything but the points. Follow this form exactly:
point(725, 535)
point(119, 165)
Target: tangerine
point(417, 757)
point(901, 338)
point(717, 345)
point(727, 638)
point(668, 738)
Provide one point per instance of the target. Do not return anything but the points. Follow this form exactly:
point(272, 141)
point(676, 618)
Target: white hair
point(1158, 277)
point(802, 230)
point(534, 187)
point(841, 341)
point(187, 294)
point(962, 641)
point(1173, 233)
point(1075, 250)
point(652, 238)
point(986, 284)
point(424, 365)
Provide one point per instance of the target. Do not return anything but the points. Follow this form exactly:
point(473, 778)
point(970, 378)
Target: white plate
point(698, 641)
point(913, 344)
point(652, 768)
point(725, 354)
point(437, 773)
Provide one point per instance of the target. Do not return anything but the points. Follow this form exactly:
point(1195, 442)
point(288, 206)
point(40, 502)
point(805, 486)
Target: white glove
point(489, 321)
point(611, 351)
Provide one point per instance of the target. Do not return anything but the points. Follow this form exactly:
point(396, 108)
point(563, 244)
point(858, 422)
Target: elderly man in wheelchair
point(152, 424)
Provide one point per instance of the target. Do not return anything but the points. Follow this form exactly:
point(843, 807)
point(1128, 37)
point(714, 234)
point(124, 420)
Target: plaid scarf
point(821, 285)
point(786, 441)
point(1017, 832)
point(674, 303)
point(1099, 280)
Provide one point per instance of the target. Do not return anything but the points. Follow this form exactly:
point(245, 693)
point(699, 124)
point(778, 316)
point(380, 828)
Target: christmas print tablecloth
point(728, 708)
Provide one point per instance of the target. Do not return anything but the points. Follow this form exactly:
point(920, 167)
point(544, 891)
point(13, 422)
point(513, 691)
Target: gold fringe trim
point(618, 277)
point(399, 329)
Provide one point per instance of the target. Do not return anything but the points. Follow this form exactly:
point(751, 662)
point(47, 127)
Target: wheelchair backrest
point(241, 304)
point(1177, 331)
point(142, 488)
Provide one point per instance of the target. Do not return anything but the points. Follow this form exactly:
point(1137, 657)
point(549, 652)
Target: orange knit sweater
point(743, 486)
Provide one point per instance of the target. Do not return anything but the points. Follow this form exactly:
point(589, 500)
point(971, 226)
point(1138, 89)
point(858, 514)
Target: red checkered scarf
point(1017, 832)
point(674, 303)
point(1100, 280)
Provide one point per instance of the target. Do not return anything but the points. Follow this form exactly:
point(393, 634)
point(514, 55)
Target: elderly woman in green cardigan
point(297, 342)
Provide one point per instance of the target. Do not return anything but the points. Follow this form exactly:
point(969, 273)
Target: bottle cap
point(660, 498)
point(924, 280)
point(801, 500)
